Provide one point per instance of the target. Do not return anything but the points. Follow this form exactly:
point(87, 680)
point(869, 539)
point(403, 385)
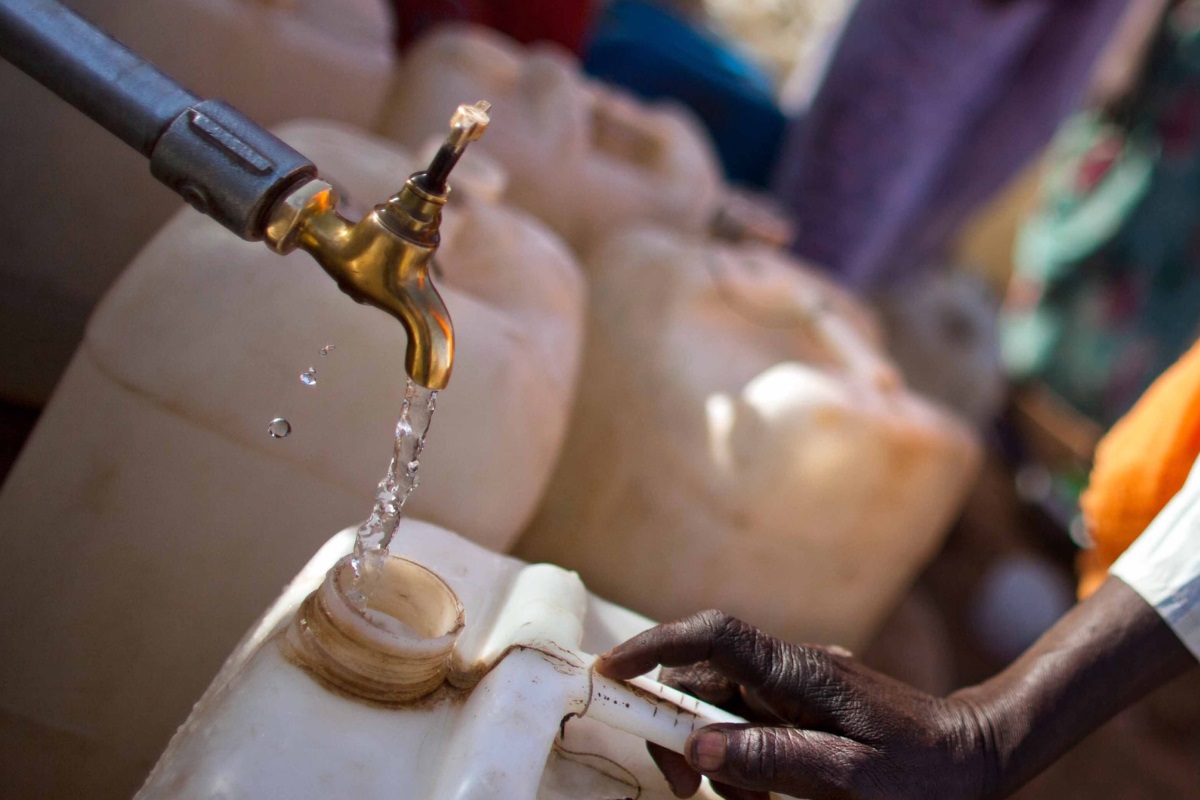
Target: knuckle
point(785, 667)
point(782, 760)
point(816, 661)
point(715, 620)
point(819, 667)
point(770, 754)
point(726, 633)
point(755, 754)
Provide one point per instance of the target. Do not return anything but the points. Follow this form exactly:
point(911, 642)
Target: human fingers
point(683, 780)
point(702, 681)
point(673, 642)
point(808, 686)
point(735, 649)
point(792, 761)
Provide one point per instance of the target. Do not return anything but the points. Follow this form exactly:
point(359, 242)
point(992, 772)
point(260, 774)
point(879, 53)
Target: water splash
point(327, 349)
point(376, 533)
point(309, 377)
point(279, 428)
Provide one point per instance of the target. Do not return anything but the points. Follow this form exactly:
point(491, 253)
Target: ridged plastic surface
point(742, 442)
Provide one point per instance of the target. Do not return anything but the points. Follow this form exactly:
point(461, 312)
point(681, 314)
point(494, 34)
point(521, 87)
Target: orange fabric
point(1140, 465)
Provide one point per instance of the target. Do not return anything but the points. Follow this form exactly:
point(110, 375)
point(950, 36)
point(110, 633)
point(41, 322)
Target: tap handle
point(466, 126)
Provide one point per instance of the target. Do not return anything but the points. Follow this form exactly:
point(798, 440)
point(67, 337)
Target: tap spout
point(383, 259)
point(251, 182)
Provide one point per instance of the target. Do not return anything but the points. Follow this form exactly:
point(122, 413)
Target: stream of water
point(374, 536)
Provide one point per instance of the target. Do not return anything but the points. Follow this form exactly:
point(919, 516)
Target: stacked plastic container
point(741, 433)
point(741, 441)
point(151, 517)
point(734, 434)
point(582, 158)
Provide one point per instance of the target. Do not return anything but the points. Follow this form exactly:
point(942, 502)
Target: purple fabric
point(928, 107)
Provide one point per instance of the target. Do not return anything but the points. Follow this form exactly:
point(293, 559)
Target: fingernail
point(708, 751)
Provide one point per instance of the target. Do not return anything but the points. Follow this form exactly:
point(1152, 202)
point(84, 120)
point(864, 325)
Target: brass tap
point(383, 259)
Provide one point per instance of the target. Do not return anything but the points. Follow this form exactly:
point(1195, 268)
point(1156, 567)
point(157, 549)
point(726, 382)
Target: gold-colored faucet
point(383, 259)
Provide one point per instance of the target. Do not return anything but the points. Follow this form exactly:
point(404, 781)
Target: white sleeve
point(1163, 565)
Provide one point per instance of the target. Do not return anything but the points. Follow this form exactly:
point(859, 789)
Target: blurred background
point(999, 199)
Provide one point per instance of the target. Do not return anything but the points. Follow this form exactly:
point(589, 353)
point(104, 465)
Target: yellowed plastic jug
point(583, 158)
point(742, 442)
point(153, 508)
point(79, 203)
point(484, 692)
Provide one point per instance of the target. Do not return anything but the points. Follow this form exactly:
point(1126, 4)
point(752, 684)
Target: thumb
point(792, 761)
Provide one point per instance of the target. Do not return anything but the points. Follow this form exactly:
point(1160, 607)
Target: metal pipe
point(214, 157)
point(101, 77)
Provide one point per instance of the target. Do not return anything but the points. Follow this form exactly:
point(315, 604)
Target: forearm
point(1104, 655)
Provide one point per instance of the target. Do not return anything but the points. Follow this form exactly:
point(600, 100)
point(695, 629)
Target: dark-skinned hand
point(831, 728)
point(827, 728)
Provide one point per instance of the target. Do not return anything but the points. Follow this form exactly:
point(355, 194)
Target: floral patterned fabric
point(1107, 289)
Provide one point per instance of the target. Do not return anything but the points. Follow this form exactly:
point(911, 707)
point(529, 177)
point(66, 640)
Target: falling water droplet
point(327, 349)
point(279, 428)
point(309, 377)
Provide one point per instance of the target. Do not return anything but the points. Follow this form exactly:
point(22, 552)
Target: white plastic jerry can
point(742, 442)
point(583, 158)
point(465, 676)
point(80, 203)
point(153, 468)
point(272, 59)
